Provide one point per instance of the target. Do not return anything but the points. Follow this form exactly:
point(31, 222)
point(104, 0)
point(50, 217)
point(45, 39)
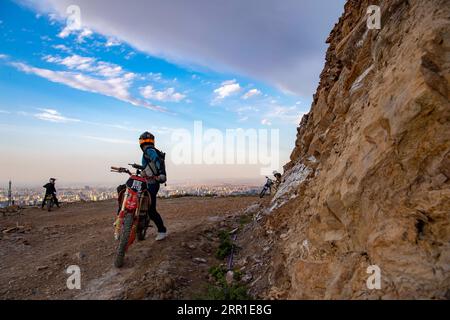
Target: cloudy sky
point(76, 93)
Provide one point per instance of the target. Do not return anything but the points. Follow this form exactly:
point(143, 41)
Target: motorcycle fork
point(123, 210)
point(135, 222)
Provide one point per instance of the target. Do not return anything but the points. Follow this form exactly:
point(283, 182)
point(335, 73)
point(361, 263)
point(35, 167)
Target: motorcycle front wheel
point(123, 240)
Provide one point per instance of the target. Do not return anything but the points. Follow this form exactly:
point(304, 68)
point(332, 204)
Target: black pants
point(55, 200)
point(153, 214)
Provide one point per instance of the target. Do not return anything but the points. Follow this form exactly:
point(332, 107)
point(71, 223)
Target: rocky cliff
point(369, 178)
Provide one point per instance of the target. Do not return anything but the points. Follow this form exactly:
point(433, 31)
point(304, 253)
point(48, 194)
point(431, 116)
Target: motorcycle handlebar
point(136, 166)
point(120, 170)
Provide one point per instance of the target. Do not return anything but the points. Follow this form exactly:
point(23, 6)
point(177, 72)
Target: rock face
point(369, 178)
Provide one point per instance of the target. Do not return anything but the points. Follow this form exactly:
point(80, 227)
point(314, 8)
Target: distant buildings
point(34, 196)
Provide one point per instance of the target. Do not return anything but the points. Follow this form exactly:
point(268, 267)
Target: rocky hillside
point(369, 178)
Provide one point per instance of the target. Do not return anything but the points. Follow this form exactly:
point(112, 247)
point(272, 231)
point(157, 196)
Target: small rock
point(247, 277)
point(168, 282)
point(139, 294)
point(191, 246)
point(199, 260)
point(80, 255)
point(39, 268)
point(229, 277)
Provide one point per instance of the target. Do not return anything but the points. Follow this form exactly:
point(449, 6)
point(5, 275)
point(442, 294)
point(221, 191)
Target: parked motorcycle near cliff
point(49, 202)
point(132, 219)
point(267, 186)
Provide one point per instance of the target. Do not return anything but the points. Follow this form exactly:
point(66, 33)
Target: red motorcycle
point(132, 219)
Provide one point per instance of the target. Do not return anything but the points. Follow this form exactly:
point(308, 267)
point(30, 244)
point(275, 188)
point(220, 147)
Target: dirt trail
point(34, 259)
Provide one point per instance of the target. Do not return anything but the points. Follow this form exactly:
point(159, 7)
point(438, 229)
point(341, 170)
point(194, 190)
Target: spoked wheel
point(123, 240)
point(49, 205)
point(142, 229)
point(263, 192)
point(144, 219)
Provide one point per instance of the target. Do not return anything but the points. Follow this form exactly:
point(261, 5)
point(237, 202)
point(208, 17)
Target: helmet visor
point(148, 140)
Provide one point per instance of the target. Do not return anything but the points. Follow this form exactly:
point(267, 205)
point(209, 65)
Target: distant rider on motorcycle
point(277, 176)
point(153, 169)
point(50, 190)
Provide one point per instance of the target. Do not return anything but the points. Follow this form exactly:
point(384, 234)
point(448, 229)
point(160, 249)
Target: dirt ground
point(35, 256)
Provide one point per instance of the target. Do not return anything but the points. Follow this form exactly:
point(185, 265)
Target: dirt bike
point(49, 202)
point(132, 219)
point(267, 186)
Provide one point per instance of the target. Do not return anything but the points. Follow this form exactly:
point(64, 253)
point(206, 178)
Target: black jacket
point(50, 188)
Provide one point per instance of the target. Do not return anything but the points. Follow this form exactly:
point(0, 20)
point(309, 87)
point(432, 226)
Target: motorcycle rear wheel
point(263, 192)
point(123, 240)
point(49, 205)
point(142, 229)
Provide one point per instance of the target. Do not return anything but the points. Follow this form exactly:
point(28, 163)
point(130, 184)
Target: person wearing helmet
point(50, 190)
point(152, 163)
point(277, 175)
point(277, 183)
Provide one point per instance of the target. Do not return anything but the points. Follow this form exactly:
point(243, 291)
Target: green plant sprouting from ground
point(225, 245)
point(221, 290)
point(245, 219)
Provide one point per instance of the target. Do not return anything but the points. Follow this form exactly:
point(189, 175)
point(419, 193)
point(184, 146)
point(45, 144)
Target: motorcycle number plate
point(137, 185)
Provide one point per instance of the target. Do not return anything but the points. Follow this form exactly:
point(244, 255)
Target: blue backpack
point(162, 163)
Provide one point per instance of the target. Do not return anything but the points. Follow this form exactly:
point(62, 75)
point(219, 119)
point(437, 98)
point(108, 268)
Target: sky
point(81, 80)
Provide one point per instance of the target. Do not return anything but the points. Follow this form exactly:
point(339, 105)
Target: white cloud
point(227, 88)
point(108, 70)
point(53, 116)
point(156, 76)
point(251, 93)
point(280, 44)
point(109, 140)
point(65, 32)
point(266, 122)
point(73, 62)
point(3, 56)
point(111, 42)
point(117, 87)
point(62, 47)
point(167, 95)
point(87, 64)
point(81, 33)
point(5, 112)
point(285, 114)
point(130, 55)
point(45, 38)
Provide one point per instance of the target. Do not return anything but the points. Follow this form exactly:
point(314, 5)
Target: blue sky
point(73, 102)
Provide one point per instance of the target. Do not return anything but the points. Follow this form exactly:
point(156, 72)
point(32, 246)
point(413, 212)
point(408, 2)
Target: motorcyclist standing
point(50, 190)
point(152, 163)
